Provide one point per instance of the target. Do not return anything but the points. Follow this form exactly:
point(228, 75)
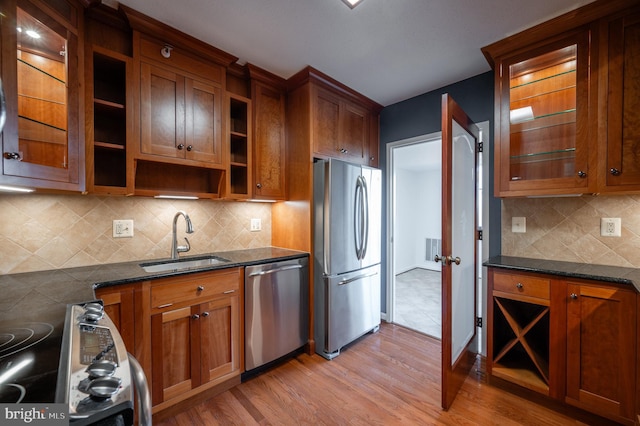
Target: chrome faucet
point(175, 248)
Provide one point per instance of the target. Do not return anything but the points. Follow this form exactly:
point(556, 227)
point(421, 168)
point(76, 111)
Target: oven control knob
point(93, 312)
point(94, 307)
point(104, 387)
point(101, 368)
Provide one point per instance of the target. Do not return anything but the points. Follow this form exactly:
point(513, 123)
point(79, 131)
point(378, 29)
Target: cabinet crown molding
point(161, 31)
point(312, 75)
point(553, 27)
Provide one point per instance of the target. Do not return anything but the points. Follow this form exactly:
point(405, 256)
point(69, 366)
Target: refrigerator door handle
point(356, 278)
point(365, 218)
point(361, 222)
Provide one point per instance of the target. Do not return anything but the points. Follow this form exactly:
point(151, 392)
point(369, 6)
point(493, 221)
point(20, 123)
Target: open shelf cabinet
point(239, 146)
point(111, 121)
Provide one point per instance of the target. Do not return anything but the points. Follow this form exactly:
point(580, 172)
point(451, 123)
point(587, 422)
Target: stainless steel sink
point(180, 264)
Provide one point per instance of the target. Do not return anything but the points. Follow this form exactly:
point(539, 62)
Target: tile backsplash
point(568, 228)
point(42, 232)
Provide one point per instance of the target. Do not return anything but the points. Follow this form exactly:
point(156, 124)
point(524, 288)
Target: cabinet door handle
point(200, 288)
point(519, 285)
point(195, 316)
point(614, 171)
point(166, 305)
point(582, 174)
point(228, 292)
point(574, 296)
point(12, 156)
point(258, 185)
point(189, 147)
point(205, 314)
point(180, 147)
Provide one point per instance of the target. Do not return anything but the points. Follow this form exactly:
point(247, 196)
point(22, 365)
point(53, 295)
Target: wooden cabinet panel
point(601, 342)
point(42, 143)
point(543, 131)
point(524, 285)
point(174, 342)
point(326, 135)
point(162, 107)
point(119, 305)
point(220, 337)
point(269, 159)
point(341, 128)
point(180, 116)
point(193, 289)
point(621, 167)
point(203, 122)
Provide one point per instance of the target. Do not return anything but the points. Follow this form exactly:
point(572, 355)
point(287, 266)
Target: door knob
point(12, 156)
point(452, 259)
point(438, 259)
point(200, 288)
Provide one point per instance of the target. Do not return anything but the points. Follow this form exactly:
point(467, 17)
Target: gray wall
point(422, 115)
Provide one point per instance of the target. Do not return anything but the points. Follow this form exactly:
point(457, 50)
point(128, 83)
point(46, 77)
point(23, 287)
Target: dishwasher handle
point(273, 271)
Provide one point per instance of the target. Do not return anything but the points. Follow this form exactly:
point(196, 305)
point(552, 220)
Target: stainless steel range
point(81, 363)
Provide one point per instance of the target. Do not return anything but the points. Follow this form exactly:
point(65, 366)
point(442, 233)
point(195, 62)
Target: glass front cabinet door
point(543, 129)
point(41, 141)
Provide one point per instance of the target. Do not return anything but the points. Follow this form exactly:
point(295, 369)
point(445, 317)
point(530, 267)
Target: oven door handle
point(142, 390)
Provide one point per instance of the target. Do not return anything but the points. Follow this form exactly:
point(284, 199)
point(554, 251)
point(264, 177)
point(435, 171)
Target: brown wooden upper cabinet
point(269, 95)
point(561, 101)
point(180, 106)
point(620, 82)
point(42, 145)
point(341, 127)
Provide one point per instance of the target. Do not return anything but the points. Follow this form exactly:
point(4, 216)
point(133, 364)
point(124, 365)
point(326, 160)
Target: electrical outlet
point(122, 228)
point(519, 224)
point(256, 224)
point(610, 227)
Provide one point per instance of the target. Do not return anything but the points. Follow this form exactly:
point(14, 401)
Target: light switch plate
point(519, 224)
point(123, 228)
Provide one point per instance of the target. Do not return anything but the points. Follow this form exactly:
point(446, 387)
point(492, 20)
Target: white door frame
point(391, 273)
point(390, 287)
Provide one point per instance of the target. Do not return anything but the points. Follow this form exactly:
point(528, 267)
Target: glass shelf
point(560, 154)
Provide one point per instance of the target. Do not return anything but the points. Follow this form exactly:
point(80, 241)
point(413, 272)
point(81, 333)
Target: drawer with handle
point(523, 285)
point(170, 292)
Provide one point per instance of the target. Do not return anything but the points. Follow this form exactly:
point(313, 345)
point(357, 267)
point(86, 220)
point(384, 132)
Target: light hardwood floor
point(388, 378)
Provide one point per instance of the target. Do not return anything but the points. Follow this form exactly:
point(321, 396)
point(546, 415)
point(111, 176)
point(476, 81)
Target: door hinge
point(480, 146)
point(479, 322)
point(480, 234)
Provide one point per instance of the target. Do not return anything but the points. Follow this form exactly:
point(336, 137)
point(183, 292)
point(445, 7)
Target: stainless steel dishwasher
point(276, 310)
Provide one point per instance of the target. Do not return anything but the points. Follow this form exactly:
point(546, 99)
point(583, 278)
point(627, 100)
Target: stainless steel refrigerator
point(347, 222)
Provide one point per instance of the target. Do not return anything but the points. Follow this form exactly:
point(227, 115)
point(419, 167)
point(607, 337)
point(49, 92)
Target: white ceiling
point(388, 50)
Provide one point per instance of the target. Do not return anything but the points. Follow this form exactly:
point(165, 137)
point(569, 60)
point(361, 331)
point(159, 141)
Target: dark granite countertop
point(611, 274)
point(43, 295)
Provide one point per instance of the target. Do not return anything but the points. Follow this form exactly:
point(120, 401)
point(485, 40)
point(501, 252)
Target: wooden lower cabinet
point(195, 341)
point(601, 342)
point(186, 331)
point(574, 341)
point(118, 304)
